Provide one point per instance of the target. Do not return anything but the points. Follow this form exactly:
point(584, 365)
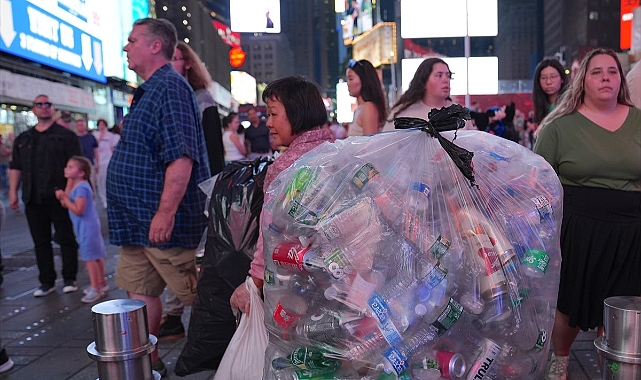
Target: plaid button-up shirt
point(163, 126)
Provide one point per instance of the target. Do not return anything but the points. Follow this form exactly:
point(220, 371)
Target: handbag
point(248, 344)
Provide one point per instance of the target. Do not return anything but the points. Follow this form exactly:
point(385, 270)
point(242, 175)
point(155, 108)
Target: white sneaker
point(43, 290)
point(70, 287)
point(558, 369)
point(92, 296)
point(104, 288)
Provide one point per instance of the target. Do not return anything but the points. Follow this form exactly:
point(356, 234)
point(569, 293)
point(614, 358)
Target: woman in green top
point(592, 139)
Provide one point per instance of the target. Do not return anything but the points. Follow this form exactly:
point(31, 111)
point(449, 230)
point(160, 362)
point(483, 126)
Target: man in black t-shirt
point(257, 138)
point(39, 157)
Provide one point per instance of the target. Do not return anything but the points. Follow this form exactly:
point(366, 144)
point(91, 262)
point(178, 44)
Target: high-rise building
point(307, 44)
point(193, 23)
point(572, 27)
point(519, 44)
point(269, 56)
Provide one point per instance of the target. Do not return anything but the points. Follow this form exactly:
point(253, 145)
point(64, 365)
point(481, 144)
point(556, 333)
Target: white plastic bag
point(245, 356)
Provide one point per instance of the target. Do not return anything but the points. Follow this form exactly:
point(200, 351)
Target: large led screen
point(64, 34)
point(255, 16)
point(452, 18)
point(117, 18)
point(479, 75)
point(357, 18)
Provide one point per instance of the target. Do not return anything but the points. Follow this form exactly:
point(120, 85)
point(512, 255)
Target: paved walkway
point(47, 337)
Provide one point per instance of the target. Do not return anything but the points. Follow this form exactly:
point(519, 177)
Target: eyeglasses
point(43, 105)
point(352, 62)
point(177, 59)
point(551, 77)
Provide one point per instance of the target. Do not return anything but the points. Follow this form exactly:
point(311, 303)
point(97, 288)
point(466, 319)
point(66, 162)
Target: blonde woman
point(592, 139)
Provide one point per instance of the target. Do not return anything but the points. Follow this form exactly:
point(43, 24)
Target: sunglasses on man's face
point(43, 105)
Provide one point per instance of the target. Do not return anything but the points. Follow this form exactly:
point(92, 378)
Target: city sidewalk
point(48, 337)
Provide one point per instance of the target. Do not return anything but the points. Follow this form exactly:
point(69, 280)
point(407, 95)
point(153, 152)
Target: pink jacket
point(305, 142)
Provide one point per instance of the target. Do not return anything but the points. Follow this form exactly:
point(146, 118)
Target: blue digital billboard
point(61, 40)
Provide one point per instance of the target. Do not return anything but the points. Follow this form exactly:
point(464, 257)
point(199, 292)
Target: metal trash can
point(123, 345)
point(620, 347)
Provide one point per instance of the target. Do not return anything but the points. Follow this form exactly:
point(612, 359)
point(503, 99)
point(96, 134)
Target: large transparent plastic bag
point(399, 254)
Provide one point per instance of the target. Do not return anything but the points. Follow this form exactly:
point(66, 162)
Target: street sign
point(31, 32)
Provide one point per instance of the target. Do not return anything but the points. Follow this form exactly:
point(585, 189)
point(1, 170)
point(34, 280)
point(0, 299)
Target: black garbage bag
point(234, 212)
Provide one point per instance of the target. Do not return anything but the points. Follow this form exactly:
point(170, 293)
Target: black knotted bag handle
point(445, 119)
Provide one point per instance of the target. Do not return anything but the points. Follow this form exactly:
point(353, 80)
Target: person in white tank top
point(363, 84)
point(233, 142)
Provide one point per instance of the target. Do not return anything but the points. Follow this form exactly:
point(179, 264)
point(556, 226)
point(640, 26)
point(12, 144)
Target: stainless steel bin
point(123, 344)
point(620, 347)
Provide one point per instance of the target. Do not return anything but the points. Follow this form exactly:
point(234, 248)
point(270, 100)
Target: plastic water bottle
point(526, 332)
point(319, 191)
point(293, 373)
point(369, 180)
point(322, 327)
point(356, 218)
point(306, 358)
point(471, 298)
point(396, 359)
point(514, 364)
point(535, 262)
point(425, 273)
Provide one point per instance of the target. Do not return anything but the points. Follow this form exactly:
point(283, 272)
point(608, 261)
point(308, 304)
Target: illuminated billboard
point(357, 19)
point(421, 18)
point(255, 16)
point(243, 87)
point(64, 34)
point(117, 18)
point(230, 38)
point(625, 39)
point(481, 72)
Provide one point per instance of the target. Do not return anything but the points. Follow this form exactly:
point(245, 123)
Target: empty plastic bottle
point(306, 358)
point(396, 359)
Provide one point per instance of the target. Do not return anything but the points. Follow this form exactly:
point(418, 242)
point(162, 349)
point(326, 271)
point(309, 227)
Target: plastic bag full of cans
point(383, 262)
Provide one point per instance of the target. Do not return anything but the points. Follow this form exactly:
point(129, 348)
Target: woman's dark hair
point(416, 91)
point(228, 119)
point(539, 97)
point(371, 88)
point(102, 121)
point(302, 101)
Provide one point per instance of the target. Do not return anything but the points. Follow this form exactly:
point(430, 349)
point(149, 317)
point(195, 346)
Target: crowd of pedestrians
point(146, 176)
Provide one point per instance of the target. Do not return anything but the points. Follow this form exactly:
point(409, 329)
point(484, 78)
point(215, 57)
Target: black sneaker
point(44, 290)
point(5, 362)
point(172, 328)
point(159, 367)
